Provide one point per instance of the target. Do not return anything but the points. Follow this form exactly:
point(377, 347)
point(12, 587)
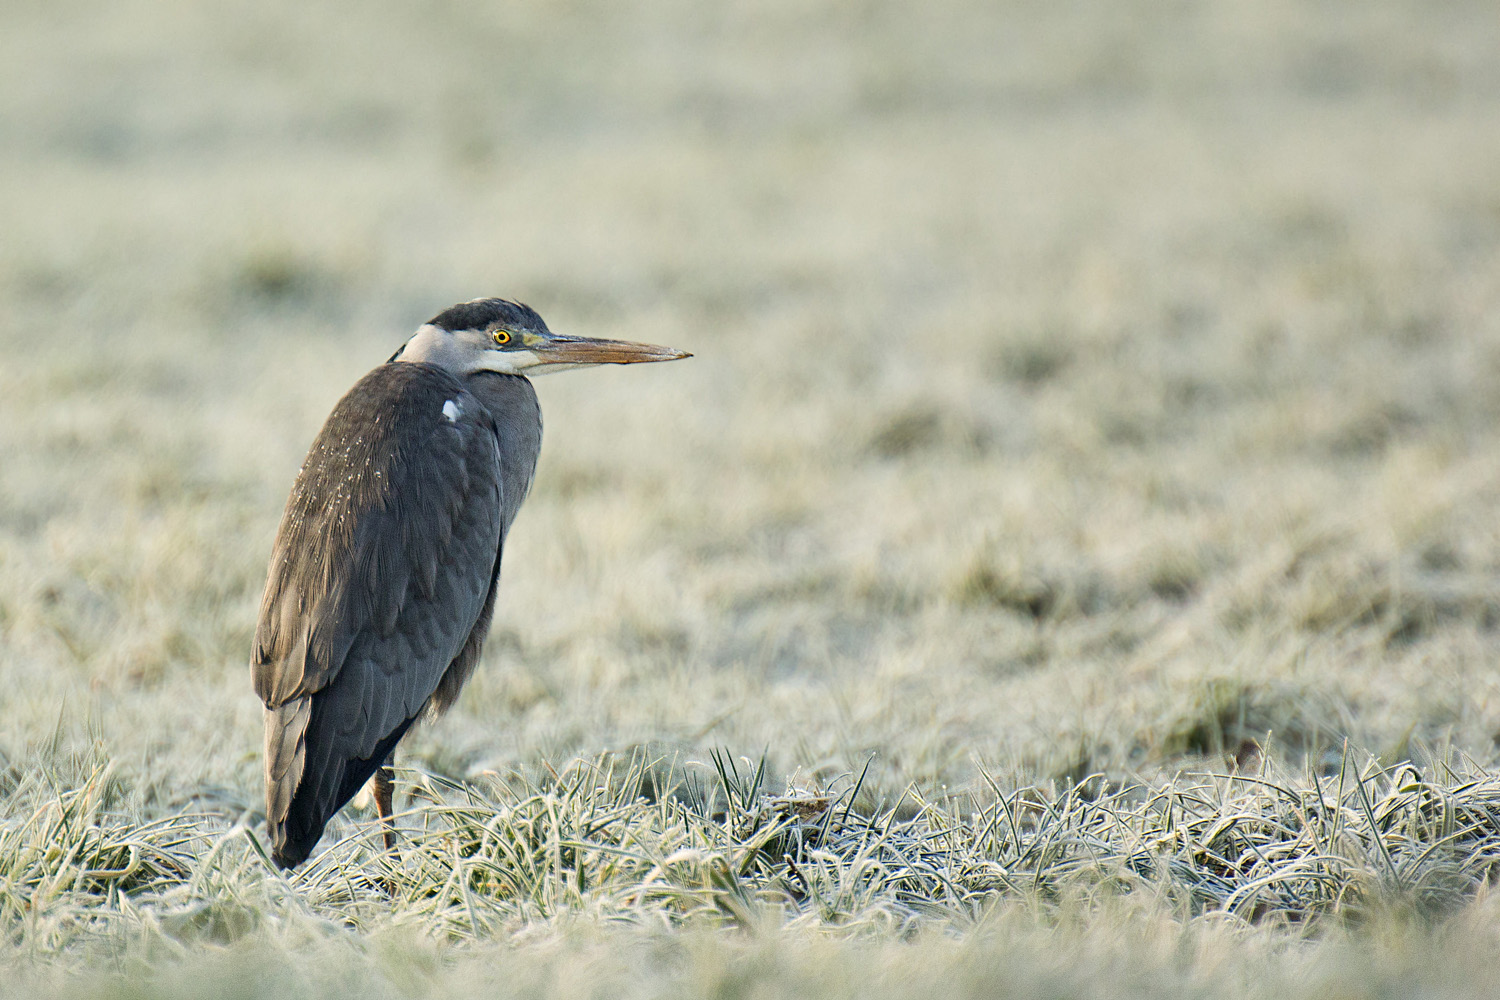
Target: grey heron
point(384, 570)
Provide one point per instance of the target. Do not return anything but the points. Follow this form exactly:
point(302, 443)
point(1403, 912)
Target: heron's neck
point(430, 346)
point(511, 401)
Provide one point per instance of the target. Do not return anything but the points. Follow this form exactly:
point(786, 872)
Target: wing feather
point(384, 562)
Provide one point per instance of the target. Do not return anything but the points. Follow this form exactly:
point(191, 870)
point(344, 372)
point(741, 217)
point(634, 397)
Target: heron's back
point(382, 578)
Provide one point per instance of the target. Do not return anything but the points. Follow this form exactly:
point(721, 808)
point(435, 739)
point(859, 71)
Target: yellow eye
point(502, 337)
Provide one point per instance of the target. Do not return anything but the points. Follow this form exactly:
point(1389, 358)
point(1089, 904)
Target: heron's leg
point(384, 785)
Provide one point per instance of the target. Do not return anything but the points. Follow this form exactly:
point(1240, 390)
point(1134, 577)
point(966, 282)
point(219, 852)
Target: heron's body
point(385, 569)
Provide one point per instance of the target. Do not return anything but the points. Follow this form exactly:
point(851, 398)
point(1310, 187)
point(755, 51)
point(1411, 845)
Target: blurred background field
point(1093, 388)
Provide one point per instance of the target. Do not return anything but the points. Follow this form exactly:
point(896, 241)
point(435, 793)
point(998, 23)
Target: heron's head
point(498, 335)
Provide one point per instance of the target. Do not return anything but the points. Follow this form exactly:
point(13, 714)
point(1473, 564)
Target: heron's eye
point(501, 337)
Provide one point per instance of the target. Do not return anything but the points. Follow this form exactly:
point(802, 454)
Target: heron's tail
point(286, 758)
point(307, 781)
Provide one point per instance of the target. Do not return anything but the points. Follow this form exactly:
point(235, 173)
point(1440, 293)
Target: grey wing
point(382, 568)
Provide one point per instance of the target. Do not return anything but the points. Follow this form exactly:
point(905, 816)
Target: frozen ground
point(1079, 389)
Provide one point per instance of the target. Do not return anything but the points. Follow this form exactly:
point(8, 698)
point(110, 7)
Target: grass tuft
point(481, 857)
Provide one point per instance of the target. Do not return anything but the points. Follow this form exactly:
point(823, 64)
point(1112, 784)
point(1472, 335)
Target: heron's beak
point(557, 350)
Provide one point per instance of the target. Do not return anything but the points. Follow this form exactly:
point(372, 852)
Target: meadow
point(1069, 565)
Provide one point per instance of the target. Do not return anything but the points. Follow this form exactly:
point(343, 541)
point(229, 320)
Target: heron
point(383, 574)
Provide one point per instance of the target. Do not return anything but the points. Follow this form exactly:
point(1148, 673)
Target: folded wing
point(384, 563)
